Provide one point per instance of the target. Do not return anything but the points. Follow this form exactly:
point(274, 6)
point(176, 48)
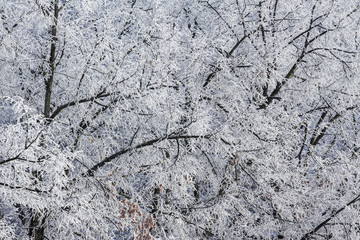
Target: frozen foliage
point(178, 119)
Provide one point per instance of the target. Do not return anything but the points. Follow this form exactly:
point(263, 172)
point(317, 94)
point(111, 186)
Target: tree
point(179, 119)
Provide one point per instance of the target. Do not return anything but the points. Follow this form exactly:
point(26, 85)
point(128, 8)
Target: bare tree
point(179, 119)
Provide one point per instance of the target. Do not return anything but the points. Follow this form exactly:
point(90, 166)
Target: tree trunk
point(37, 226)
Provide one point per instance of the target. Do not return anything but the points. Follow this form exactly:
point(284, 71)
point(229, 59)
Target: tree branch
point(93, 169)
point(72, 103)
point(322, 224)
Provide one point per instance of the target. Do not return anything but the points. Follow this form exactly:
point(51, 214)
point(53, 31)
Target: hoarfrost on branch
point(228, 119)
